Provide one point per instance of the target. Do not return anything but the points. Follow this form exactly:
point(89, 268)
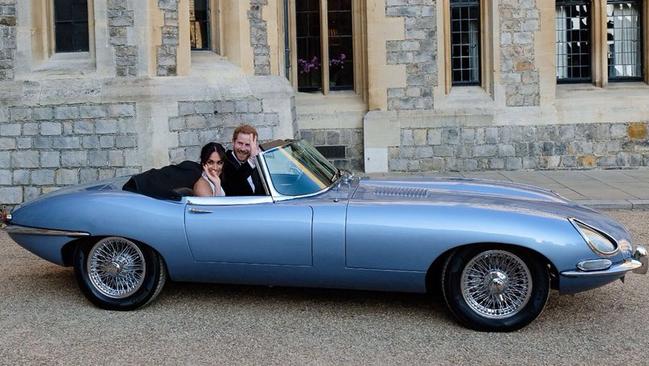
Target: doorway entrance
point(199, 24)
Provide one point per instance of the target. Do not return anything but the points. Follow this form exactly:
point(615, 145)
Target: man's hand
point(254, 148)
point(254, 151)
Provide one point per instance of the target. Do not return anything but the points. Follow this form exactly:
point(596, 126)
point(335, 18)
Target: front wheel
point(496, 289)
point(119, 274)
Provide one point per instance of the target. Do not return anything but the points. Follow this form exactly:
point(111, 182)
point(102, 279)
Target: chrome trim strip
point(574, 222)
point(24, 230)
point(228, 200)
point(199, 211)
point(617, 269)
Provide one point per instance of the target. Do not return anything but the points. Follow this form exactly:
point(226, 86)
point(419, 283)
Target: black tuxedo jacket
point(235, 178)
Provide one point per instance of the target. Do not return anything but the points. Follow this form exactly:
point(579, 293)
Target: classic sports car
point(494, 249)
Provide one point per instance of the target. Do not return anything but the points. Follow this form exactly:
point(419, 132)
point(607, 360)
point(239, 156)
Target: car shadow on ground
point(48, 285)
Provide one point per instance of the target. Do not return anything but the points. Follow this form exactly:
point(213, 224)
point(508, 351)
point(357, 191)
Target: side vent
point(401, 192)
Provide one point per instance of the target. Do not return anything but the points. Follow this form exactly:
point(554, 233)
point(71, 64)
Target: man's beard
point(244, 154)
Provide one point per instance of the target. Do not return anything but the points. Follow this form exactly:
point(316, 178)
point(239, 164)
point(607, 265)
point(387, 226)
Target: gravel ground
point(44, 319)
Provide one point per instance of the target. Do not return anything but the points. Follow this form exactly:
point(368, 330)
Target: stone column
point(167, 52)
point(259, 37)
point(7, 39)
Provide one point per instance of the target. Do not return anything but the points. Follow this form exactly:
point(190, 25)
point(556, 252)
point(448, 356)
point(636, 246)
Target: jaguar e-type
point(494, 249)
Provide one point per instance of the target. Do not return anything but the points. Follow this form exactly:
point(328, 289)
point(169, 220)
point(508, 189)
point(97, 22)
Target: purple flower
point(338, 61)
point(306, 66)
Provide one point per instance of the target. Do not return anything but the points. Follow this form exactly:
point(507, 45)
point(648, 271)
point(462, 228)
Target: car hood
point(482, 194)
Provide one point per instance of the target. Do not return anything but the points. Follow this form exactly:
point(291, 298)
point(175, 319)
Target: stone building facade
point(376, 85)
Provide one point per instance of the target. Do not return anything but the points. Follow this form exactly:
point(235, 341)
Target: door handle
point(199, 211)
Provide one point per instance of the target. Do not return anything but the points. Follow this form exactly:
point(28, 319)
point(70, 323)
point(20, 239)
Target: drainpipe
point(287, 42)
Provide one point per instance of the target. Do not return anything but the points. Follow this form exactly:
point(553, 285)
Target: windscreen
point(298, 169)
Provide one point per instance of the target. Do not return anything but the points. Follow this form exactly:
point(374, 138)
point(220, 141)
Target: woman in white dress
point(212, 159)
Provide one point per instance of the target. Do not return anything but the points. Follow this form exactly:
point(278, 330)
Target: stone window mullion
point(326, 55)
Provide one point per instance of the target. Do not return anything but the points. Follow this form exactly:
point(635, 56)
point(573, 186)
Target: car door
point(249, 230)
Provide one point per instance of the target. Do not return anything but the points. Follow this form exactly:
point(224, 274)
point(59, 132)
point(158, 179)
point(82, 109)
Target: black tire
point(99, 267)
point(515, 276)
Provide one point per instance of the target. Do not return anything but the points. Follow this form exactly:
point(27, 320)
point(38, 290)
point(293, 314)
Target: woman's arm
point(202, 188)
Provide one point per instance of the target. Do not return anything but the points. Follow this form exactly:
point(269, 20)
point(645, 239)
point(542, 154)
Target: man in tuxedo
point(240, 173)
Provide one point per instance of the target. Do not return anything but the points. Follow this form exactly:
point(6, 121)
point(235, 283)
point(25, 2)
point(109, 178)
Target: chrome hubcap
point(496, 284)
point(116, 267)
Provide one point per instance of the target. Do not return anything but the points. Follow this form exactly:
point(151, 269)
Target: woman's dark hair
point(212, 147)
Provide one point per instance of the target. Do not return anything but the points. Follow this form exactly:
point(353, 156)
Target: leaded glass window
point(573, 36)
point(465, 42)
point(624, 40)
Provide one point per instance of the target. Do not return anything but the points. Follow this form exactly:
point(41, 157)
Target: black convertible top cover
point(170, 182)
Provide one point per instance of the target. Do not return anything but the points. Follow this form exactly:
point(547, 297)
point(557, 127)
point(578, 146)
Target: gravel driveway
point(44, 319)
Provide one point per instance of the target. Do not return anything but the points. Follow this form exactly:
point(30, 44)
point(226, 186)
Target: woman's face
point(214, 164)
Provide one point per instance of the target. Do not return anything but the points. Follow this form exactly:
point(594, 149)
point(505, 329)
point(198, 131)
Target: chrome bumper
point(639, 264)
point(641, 256)
point(16, 229)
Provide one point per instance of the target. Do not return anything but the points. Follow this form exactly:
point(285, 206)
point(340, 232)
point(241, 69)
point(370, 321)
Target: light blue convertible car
point(494, 249)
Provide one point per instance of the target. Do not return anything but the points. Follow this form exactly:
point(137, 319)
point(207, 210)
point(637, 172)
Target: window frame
point(487, 47)
point(359, 52)
point(478, 82)
point(591, 38)
point(641, 40)
point(599, 46)
point(51, 30)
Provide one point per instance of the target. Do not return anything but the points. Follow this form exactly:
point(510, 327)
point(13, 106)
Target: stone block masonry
point(351, 139)
point(167, 52)
point(573, 146)
point(7, 39)
point(200, 122)
point(418, 51)
point(259, 37)
point(519, 20)
point(45, 147)
point(120, 24)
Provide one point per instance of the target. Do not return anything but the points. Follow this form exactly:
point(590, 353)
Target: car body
point(494, 248)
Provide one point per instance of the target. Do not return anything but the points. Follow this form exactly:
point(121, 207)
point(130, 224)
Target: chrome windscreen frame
point(261, 163)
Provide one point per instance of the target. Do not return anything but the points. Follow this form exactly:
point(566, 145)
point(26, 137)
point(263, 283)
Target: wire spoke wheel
point(116, 267)
point(496, 284)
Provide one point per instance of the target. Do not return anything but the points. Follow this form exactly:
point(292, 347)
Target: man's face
point(241, 145)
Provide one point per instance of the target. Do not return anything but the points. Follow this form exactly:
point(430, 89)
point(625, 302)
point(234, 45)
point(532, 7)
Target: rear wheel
point(119, 274)
point(495, 288)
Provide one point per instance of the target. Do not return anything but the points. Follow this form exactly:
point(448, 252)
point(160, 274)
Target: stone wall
point(167, 62)
point(7, 39)
point(519, 20)
point(200, 122)
point(259, 37)
point(121, 29)
point(45, 147)
point(349, 142)
point(418, 51)
point(580, 146)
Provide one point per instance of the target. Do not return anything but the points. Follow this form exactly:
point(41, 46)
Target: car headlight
point(598, 241)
